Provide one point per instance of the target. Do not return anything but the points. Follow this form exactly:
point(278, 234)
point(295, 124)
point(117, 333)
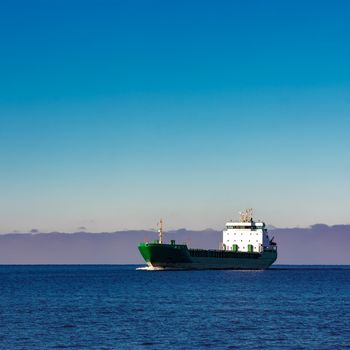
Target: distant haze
point(319, 244)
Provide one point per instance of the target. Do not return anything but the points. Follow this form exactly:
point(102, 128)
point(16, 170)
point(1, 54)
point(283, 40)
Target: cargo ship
point(245, 246)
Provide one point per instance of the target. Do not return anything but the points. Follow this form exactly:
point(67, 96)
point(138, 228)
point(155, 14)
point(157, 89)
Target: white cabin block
point(244, 234)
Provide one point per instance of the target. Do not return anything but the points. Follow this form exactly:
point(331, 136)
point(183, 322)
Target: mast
point(160, 231)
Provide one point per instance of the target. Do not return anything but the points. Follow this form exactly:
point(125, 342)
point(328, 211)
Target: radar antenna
point(246, 215)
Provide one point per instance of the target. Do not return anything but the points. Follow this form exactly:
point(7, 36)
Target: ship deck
point(205, 253)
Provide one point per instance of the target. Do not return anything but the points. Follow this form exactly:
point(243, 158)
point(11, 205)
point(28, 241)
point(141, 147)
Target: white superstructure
point(246, 235)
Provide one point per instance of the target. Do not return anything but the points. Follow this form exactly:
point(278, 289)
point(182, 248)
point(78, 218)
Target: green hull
point(180, 257)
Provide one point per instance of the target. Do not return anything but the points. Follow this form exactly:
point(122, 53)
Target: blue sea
point(122, 307)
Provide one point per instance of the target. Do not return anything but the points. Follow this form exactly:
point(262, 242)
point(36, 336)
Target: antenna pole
point(160, 231)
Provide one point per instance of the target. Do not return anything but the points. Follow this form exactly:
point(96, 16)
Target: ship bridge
point(246, 235)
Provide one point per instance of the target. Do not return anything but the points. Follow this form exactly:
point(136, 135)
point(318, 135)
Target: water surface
point(120, 307)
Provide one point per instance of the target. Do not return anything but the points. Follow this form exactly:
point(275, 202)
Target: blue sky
point(114, 113)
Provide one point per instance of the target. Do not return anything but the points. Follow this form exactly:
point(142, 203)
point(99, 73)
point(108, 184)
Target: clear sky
point(116, 113)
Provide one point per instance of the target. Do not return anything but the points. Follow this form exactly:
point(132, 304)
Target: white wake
point(150, 268)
